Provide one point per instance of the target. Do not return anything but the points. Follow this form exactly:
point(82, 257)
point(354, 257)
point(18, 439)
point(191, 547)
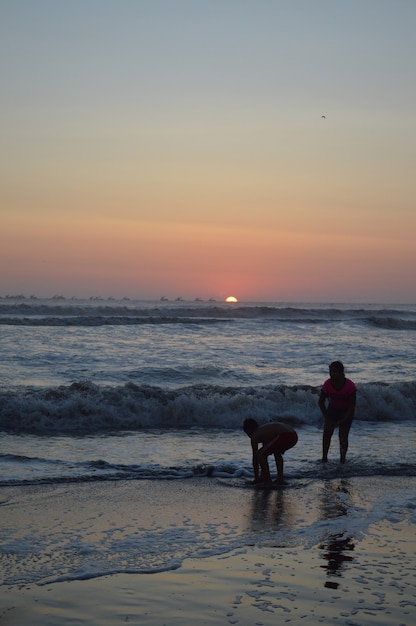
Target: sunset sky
point(179, 148)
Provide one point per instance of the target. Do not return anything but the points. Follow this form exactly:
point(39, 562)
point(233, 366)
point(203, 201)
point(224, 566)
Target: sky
point(264, 149)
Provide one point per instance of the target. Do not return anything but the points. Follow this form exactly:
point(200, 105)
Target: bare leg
point(343, 433)
point(279, 466)
point(326, 442)
point(265, 471)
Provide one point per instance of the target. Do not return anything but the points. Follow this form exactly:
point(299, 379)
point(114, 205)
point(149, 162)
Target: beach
point(279, 559)
point(254, 586)
point(207, 232)
point(125, 474)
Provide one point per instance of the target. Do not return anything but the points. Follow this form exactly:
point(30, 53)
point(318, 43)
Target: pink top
point(339, 398)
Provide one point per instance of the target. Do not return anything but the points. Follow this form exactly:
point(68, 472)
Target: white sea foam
point(139, 528)
point(376, 449)
point(89, 408)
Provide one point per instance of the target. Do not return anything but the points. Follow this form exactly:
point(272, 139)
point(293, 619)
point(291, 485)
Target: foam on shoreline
point(373, 584)
point(333, 549)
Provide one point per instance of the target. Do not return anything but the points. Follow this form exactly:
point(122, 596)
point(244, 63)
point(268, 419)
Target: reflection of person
point(270, 509)
point(336, 546)
point(276, 439)
point(336, 503)
point(337, 403)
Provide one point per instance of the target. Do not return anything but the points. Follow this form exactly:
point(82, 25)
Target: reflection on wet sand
point(271, 509)
point(335, 547)
point(336, 500)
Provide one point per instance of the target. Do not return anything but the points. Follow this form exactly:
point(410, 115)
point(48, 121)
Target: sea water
point(98, 395)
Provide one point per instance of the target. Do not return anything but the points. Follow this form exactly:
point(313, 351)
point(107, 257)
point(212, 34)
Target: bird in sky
point(324, 117)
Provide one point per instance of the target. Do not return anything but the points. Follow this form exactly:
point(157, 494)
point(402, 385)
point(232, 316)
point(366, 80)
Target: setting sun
point(231, 299)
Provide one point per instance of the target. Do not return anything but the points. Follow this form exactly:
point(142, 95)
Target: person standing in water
point(337, 403)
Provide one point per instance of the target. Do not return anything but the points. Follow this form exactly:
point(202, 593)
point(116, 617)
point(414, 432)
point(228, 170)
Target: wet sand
point(373, 583)
point(340, 580)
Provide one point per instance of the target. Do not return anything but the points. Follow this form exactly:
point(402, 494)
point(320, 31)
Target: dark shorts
point(336, 414)
point(280, 444)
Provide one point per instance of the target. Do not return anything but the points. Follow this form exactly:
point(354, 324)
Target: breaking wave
point(84, 407)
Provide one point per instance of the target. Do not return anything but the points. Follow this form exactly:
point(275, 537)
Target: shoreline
point(336, 549)
point(373, 582)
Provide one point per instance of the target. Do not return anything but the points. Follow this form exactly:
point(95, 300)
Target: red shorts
point(280, 444)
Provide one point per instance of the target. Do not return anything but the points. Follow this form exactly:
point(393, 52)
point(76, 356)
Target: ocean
point(104, 396)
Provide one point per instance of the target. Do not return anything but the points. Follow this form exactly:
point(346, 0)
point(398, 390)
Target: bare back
point(267, 432)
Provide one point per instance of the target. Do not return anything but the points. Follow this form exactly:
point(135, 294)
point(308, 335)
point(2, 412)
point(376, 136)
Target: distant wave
point(392, 323)
point(66, 313)
point(99, 320)
point(84, 407)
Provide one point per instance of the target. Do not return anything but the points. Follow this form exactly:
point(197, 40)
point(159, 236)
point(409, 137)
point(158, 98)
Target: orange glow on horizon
point(231, 299)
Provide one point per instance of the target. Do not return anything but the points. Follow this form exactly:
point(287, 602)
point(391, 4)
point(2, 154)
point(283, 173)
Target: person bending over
point(337, 403)
point(275, 438)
